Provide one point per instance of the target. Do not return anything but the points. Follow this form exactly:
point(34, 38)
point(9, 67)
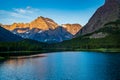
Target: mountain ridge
point(43, 24)
point(40, 23)
point(41, 28)
point(7, 36)
point(110, 11)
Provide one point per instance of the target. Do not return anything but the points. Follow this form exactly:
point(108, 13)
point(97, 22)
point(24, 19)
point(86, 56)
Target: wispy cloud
point(18, 15)
point(27, 10)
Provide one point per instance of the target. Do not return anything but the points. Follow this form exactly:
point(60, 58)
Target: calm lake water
point(63, 66)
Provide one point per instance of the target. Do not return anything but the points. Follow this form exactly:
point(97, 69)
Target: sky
point(61, 11)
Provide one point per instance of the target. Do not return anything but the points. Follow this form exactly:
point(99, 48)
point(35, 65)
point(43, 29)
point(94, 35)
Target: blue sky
point(61, 11)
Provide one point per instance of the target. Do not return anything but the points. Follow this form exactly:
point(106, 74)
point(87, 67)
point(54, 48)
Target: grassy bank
point(26, 53)
point(112, 50)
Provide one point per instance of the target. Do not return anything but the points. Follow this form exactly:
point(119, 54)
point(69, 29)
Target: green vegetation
point(101, 50)
point(2, 58)
point(18, 46)
point(24, 47)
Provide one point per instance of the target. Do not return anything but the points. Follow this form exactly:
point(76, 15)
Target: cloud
point(21, 11)
point(28, 9)
point(19, 15)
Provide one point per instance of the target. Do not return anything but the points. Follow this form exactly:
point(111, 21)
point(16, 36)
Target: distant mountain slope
point(8, 36)
point(72, 28)
point(52, 36)
point(110, 11)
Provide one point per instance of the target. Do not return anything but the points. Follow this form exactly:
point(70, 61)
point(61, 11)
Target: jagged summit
point(43, 23)
point(40, 23)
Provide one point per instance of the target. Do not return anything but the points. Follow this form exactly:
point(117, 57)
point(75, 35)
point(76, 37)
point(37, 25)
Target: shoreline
point(34, 54)
point(67, 49)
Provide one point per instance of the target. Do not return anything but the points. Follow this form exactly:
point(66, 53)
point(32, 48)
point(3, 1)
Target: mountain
point(39, 23)
point(110, 11)
point(44, 30)
point(7, 36)
point(72, 28)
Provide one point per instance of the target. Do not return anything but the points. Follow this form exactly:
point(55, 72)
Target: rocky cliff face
point(43, 23)
point(110, 11)
point(40, 23)
point(72, 28)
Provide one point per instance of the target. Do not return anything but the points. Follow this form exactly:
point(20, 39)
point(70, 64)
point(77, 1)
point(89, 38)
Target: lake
point(63, 66)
